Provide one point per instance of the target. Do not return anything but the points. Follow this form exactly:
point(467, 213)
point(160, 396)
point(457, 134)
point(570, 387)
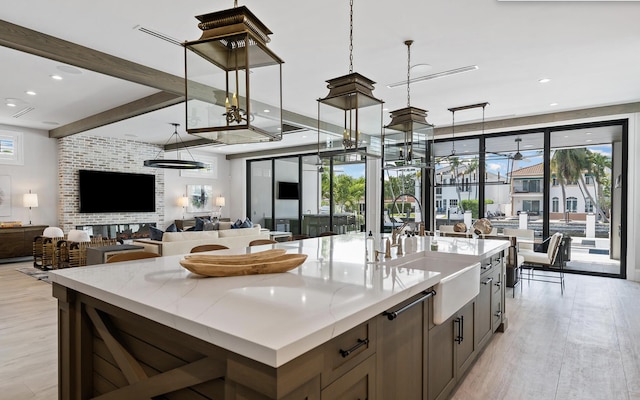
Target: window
point(588, 179)
point(439, 190)
point(453, 202)
point(572, 204)
point(11, 148)
point(555, 205)
point(554, 181)
point(528, 186)
point(588, 206)
point(531, 206)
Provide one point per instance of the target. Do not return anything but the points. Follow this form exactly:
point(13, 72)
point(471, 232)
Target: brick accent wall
point(78, 152)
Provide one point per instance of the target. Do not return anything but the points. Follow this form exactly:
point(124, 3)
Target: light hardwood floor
point(583, 345)
point(28, 337)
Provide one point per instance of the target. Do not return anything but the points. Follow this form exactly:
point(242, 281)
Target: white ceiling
point(589, 50)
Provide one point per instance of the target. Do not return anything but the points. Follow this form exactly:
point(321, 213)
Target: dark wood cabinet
point(401, 354)
point(18, 242)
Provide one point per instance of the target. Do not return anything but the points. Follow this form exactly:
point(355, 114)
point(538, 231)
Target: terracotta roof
point(533, 170)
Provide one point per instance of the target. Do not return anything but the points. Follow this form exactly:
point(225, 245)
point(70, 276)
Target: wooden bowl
point(261, 265)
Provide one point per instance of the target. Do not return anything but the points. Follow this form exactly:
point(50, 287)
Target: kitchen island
point(150, 328)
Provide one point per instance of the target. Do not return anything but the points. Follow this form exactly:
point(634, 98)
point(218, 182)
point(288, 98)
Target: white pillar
point(591, 225)
point(467, 219)
point(524, 220)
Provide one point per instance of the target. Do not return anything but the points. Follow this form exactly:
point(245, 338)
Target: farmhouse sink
point(454, 291)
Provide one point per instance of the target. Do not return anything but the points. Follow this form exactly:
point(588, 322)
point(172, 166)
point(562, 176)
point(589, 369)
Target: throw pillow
point(237, 224)
point(208, 226)
point(155, 233)
point(172, 228)
point(199, 224)
point(246, 223)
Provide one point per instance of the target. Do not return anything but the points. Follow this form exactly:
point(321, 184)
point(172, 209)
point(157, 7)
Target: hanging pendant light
point(453, 122)
point(350, 111)
point(518, 155)
point(409, 137)
point(223, 70)
point(174, 163)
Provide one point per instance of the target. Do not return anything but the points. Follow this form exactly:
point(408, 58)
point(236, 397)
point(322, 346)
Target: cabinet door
point(465, 350)
point(484, 316)
point(441, 371)
point(400, 355)
point(358, 383)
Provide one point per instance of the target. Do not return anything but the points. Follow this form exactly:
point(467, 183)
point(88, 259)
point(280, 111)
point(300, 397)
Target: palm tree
point(599, 166)
point(569, 165)
point(455, 163)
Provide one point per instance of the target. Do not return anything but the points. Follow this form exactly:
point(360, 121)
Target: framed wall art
point(200, 198)
point(5, 195)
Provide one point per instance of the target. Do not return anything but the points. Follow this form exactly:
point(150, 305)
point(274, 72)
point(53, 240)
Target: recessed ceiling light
point(30, 92)
point(553, 104)
point(544, 80)
point(10, 102)
point(589, 140)
point(56, 77)
point(11, 105)
point(587, 133)
point(50, 123)
point(266, 111)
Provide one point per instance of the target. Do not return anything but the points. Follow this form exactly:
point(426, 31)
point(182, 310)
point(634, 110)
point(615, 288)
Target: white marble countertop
point(274, 318)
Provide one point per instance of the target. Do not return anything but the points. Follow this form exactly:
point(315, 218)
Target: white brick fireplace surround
point(78, 152)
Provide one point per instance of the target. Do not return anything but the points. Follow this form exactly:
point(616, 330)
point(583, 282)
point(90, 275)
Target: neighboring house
point(450, 192)
point(527, 188)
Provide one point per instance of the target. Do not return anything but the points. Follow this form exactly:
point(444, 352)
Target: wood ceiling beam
point(43, 45)
point(137, 107)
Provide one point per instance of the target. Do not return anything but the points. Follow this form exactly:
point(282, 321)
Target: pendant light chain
point(408, 43)
point(351, 36)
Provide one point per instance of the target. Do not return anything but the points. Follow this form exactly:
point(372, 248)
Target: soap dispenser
point(371, 247)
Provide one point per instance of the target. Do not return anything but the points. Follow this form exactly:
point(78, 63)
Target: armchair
point(544, 261)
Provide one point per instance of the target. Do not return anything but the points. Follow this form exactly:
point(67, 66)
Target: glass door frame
point(429, 180)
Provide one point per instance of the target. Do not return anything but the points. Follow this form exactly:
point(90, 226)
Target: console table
point(18, 241)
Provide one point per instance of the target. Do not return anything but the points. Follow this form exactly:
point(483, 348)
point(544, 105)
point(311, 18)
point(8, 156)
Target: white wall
point(38, 174)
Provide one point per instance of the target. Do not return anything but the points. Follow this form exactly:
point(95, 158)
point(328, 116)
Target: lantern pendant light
point(409, 137)
point(350, 111)
point(223, 68)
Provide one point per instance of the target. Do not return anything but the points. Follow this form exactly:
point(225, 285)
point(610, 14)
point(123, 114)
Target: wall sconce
point(183, 202)
point(220, 203)
point(30, 200)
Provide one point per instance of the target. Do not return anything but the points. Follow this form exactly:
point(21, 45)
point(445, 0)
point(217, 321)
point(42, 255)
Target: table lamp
point(30, 200)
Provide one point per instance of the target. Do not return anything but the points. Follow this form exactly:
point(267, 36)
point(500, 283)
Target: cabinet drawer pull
point(498, 313)
point(361, 342)
point(488, 281)
point(394, 314)
point(498, 283)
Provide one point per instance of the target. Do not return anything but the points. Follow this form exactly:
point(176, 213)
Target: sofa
point(173, 243)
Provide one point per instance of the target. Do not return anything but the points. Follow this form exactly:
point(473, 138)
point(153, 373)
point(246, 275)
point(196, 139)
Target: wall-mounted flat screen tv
point(288, 191)
point(106, 191)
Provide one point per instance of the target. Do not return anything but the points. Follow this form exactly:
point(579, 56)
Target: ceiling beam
point(40, 44)
point(138, 107)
